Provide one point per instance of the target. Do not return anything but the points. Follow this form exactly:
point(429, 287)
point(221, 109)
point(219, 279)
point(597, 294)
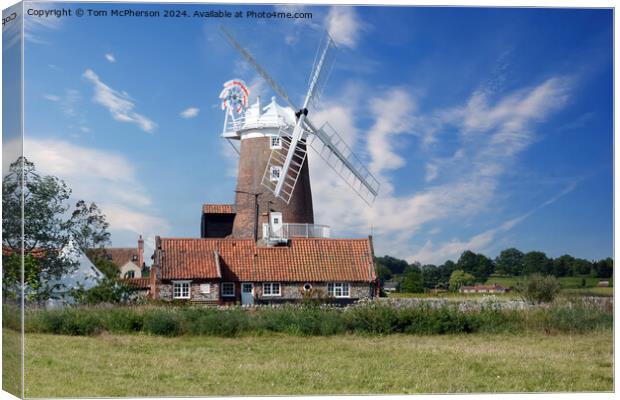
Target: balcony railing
point(287, 231)
point(252, 122)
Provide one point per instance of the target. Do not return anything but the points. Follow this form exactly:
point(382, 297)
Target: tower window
point(275, 143)
point(274, 173)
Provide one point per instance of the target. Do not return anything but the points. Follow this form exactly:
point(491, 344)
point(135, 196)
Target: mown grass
point(370, 319)
point(11, 362)
point(280, 364)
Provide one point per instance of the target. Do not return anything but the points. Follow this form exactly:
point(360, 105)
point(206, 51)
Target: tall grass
point(309, 320)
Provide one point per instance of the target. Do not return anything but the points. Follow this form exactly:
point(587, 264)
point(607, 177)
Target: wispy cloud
point(190, 112)
point(118, 104)
point(110, 57)
point(35, 28)
point(344, 25)
point(491, 133)
point(106, 178)
point(52, 97)
point(451, 250)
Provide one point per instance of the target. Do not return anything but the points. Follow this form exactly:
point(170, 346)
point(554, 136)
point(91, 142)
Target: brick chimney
point(140, 252)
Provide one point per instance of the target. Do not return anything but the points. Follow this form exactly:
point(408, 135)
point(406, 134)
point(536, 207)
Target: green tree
point(383, 273)
point(411, 281)
point(431, 276)
point(395, 265)
point(509, 262)
point(562, 266)
point(460, 278)
point(49, 223)
point(537, 262)
point(477, 265)
point(538, 288)
point(604, 268)
point(581, 267)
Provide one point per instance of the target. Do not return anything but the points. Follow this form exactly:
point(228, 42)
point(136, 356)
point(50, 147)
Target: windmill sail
point(285, 163)
point(322, 68)
point(330, 146)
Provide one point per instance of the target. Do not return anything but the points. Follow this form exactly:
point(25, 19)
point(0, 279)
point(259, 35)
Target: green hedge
point(372, 319)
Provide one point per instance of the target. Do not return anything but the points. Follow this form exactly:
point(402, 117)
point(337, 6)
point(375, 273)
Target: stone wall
point(289, 292)
point(293, 291)
point(165, 291)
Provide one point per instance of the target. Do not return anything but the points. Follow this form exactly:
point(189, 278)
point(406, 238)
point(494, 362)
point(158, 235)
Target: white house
point(84, 275)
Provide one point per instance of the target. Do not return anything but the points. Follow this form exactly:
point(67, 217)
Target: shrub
point(161, 322)
point(375, 319)
point(124, 320)
point(227, 323)
point(537, 288)
point(68, 322)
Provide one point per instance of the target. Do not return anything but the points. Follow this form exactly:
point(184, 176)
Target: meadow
point(311, 349)
point(279, 364)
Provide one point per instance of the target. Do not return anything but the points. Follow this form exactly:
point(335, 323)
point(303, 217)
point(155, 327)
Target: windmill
point(290, 131)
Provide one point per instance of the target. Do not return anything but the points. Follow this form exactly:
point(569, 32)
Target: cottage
point(225, 271)
point(495, 288)
point(129, 260)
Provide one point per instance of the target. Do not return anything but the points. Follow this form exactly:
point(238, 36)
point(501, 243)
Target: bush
point(124, 320)
point(74, 322)
point(370, 319)
point(537, 288)
point(161, 322)
point(227, 323)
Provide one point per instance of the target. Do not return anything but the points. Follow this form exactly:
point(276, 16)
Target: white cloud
point(470, 177)
point(430, 254)
point(344, 25)
point(118, 103)
point(451, 250)
point(190, 112)
point(52, 97)
point(106, 178)
point(35, 28)
point(392, 115)
point(432, 171)
point(110, 57)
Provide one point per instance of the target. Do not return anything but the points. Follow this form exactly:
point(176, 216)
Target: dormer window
point(275, 143)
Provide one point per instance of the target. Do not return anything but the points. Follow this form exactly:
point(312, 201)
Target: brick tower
point(258, 134)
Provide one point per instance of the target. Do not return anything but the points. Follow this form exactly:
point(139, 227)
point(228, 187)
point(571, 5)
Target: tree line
point(478, 268)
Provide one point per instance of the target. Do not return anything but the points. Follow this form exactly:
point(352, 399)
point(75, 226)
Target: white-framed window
point(180, 289)
point(275, 143)
point(307, 286)
point(205, 288)
point(130, 274)
point(338, 289)
point(274, 173)
point(271, 289)
point(228, 289)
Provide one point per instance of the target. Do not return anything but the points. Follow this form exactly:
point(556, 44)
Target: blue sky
point(487, 128)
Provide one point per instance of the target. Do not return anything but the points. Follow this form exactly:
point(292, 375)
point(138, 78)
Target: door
point(275, 222)
point(247, 293)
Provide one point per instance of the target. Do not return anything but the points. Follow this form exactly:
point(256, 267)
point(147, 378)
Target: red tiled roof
point(303, 260)
point(140, 283)
point(36, 253)
point(188, 258)
point(122, 255)
point(217, 209)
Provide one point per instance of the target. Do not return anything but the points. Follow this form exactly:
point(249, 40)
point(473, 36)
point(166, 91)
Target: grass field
point(566, 282)
point(140, 365)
